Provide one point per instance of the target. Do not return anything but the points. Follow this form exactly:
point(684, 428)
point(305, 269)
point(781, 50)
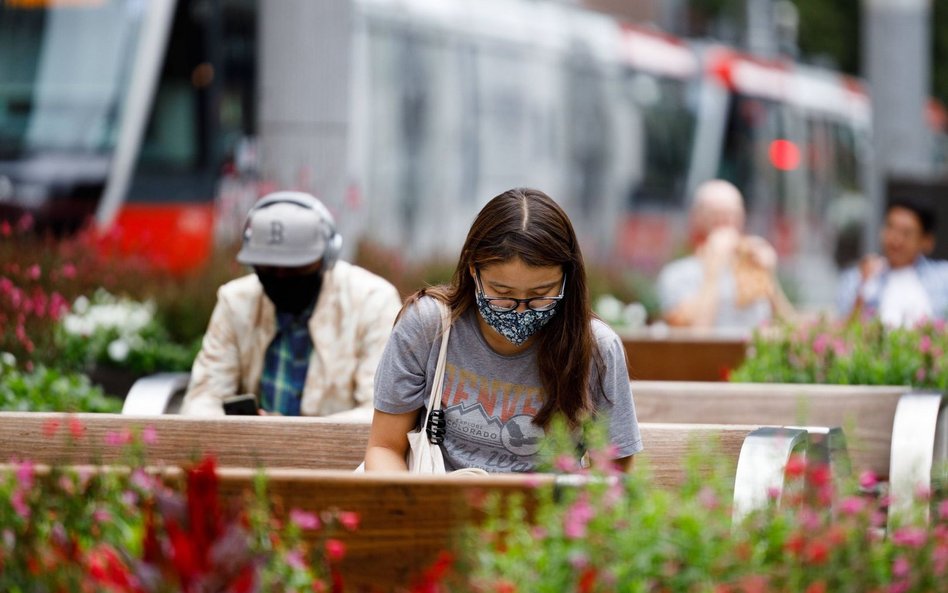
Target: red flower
point(106, 568)
point(587, 580)
point(203, 508)
point(817, 552)
point(50, 427)
point(816, 587)
point(795, 544)
point(335, 549)
point(76, 428)
point(796, 466)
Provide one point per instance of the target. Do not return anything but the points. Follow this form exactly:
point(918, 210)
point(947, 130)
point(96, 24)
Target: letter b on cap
point(276, 233)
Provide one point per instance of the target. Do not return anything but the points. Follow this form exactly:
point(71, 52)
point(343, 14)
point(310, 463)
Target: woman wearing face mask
point(305, 332)
point(524, 348)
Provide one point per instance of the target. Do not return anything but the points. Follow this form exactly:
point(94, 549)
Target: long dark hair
point(527, 224)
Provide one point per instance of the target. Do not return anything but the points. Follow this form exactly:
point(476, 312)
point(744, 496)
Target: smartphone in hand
point(241, 405)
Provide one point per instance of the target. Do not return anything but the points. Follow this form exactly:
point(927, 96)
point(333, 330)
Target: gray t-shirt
point(682, 278)
point(490, 399)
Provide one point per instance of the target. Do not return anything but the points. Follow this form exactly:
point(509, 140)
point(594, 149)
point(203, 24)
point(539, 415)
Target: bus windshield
point(64, 71)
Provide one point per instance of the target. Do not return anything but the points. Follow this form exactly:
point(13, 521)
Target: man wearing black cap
point(305, 332)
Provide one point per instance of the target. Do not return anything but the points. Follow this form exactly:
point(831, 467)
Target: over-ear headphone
point(305, 200)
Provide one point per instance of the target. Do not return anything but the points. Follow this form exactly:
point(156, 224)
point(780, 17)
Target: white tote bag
point(424, 457)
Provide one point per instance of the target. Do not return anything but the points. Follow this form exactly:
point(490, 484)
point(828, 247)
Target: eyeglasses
point(502, 304)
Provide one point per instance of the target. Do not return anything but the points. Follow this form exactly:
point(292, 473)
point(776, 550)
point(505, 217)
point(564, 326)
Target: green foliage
point(49, 390)
point(612, 532)
point(862, 353)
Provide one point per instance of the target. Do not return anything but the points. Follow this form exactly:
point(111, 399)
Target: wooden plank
point(274, 442)
point(864, 412)
point(682, 355)
point(303, 442)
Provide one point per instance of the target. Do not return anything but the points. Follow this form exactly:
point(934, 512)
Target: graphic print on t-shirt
point(490, 422)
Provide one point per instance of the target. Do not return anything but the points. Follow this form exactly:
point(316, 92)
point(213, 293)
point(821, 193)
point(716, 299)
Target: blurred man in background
point(730, 281)
point(303, 333)
point(902, 286)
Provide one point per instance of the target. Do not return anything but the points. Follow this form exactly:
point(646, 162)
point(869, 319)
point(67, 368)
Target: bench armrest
point(760, 467)
point(157, 394)
point(919, 447)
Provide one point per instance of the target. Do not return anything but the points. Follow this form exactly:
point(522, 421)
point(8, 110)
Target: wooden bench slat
point(864, 412)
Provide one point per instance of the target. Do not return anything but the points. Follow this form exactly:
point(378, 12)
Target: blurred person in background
point(303, 333)
point(730, 280)
point(902, 286)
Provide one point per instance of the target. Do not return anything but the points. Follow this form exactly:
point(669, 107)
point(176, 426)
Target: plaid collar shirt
point(286, 364)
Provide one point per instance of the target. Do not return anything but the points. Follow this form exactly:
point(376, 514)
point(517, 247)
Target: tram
point(160, 120)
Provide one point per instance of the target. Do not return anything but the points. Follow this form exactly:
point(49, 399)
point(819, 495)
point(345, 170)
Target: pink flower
point(920, 375)
point(943, 510)
point(925, 344)
point(335, 549)
point(19, 504)
point(565, 463)
point(868, 480)
point(34, 272)
point(303, 519)
point(24, 474)
point(295, 559)
point(68, 271)
point(349, 520)
point(150, 435)
point(910, 537)
point(708, 498)
point(901, 567)
point(852, 505)
point(820, 344)
point(117, 439)
point(577, 517)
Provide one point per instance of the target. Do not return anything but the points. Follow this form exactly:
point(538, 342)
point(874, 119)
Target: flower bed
point(866, 353)
point(68, 529)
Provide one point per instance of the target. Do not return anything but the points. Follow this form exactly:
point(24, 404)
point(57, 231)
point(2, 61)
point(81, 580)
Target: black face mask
point(292, 294)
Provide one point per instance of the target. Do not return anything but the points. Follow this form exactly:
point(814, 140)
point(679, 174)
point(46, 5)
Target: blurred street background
point(136, 134)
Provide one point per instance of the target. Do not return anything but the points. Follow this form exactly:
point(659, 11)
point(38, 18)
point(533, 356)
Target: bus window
point(203, 105)
point(64, 73)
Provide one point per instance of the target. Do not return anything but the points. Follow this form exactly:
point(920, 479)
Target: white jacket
point(349, 327)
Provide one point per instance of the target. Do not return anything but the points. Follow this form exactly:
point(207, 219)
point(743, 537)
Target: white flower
point(81, 305)
point(634, 314)
point(608, 307)
point(118, 350)
point(7, 359)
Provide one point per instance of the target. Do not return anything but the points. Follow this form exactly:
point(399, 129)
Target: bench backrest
point(866, 413)
point(302, 443)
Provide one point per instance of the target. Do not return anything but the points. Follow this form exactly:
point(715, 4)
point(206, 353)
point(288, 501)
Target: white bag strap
point(434, 400)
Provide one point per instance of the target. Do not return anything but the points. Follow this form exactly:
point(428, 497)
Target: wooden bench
point(676, 354)
point(406, 519)
point(901, 435)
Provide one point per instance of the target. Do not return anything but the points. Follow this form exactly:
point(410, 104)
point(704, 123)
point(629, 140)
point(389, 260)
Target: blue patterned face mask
point(516, 327)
